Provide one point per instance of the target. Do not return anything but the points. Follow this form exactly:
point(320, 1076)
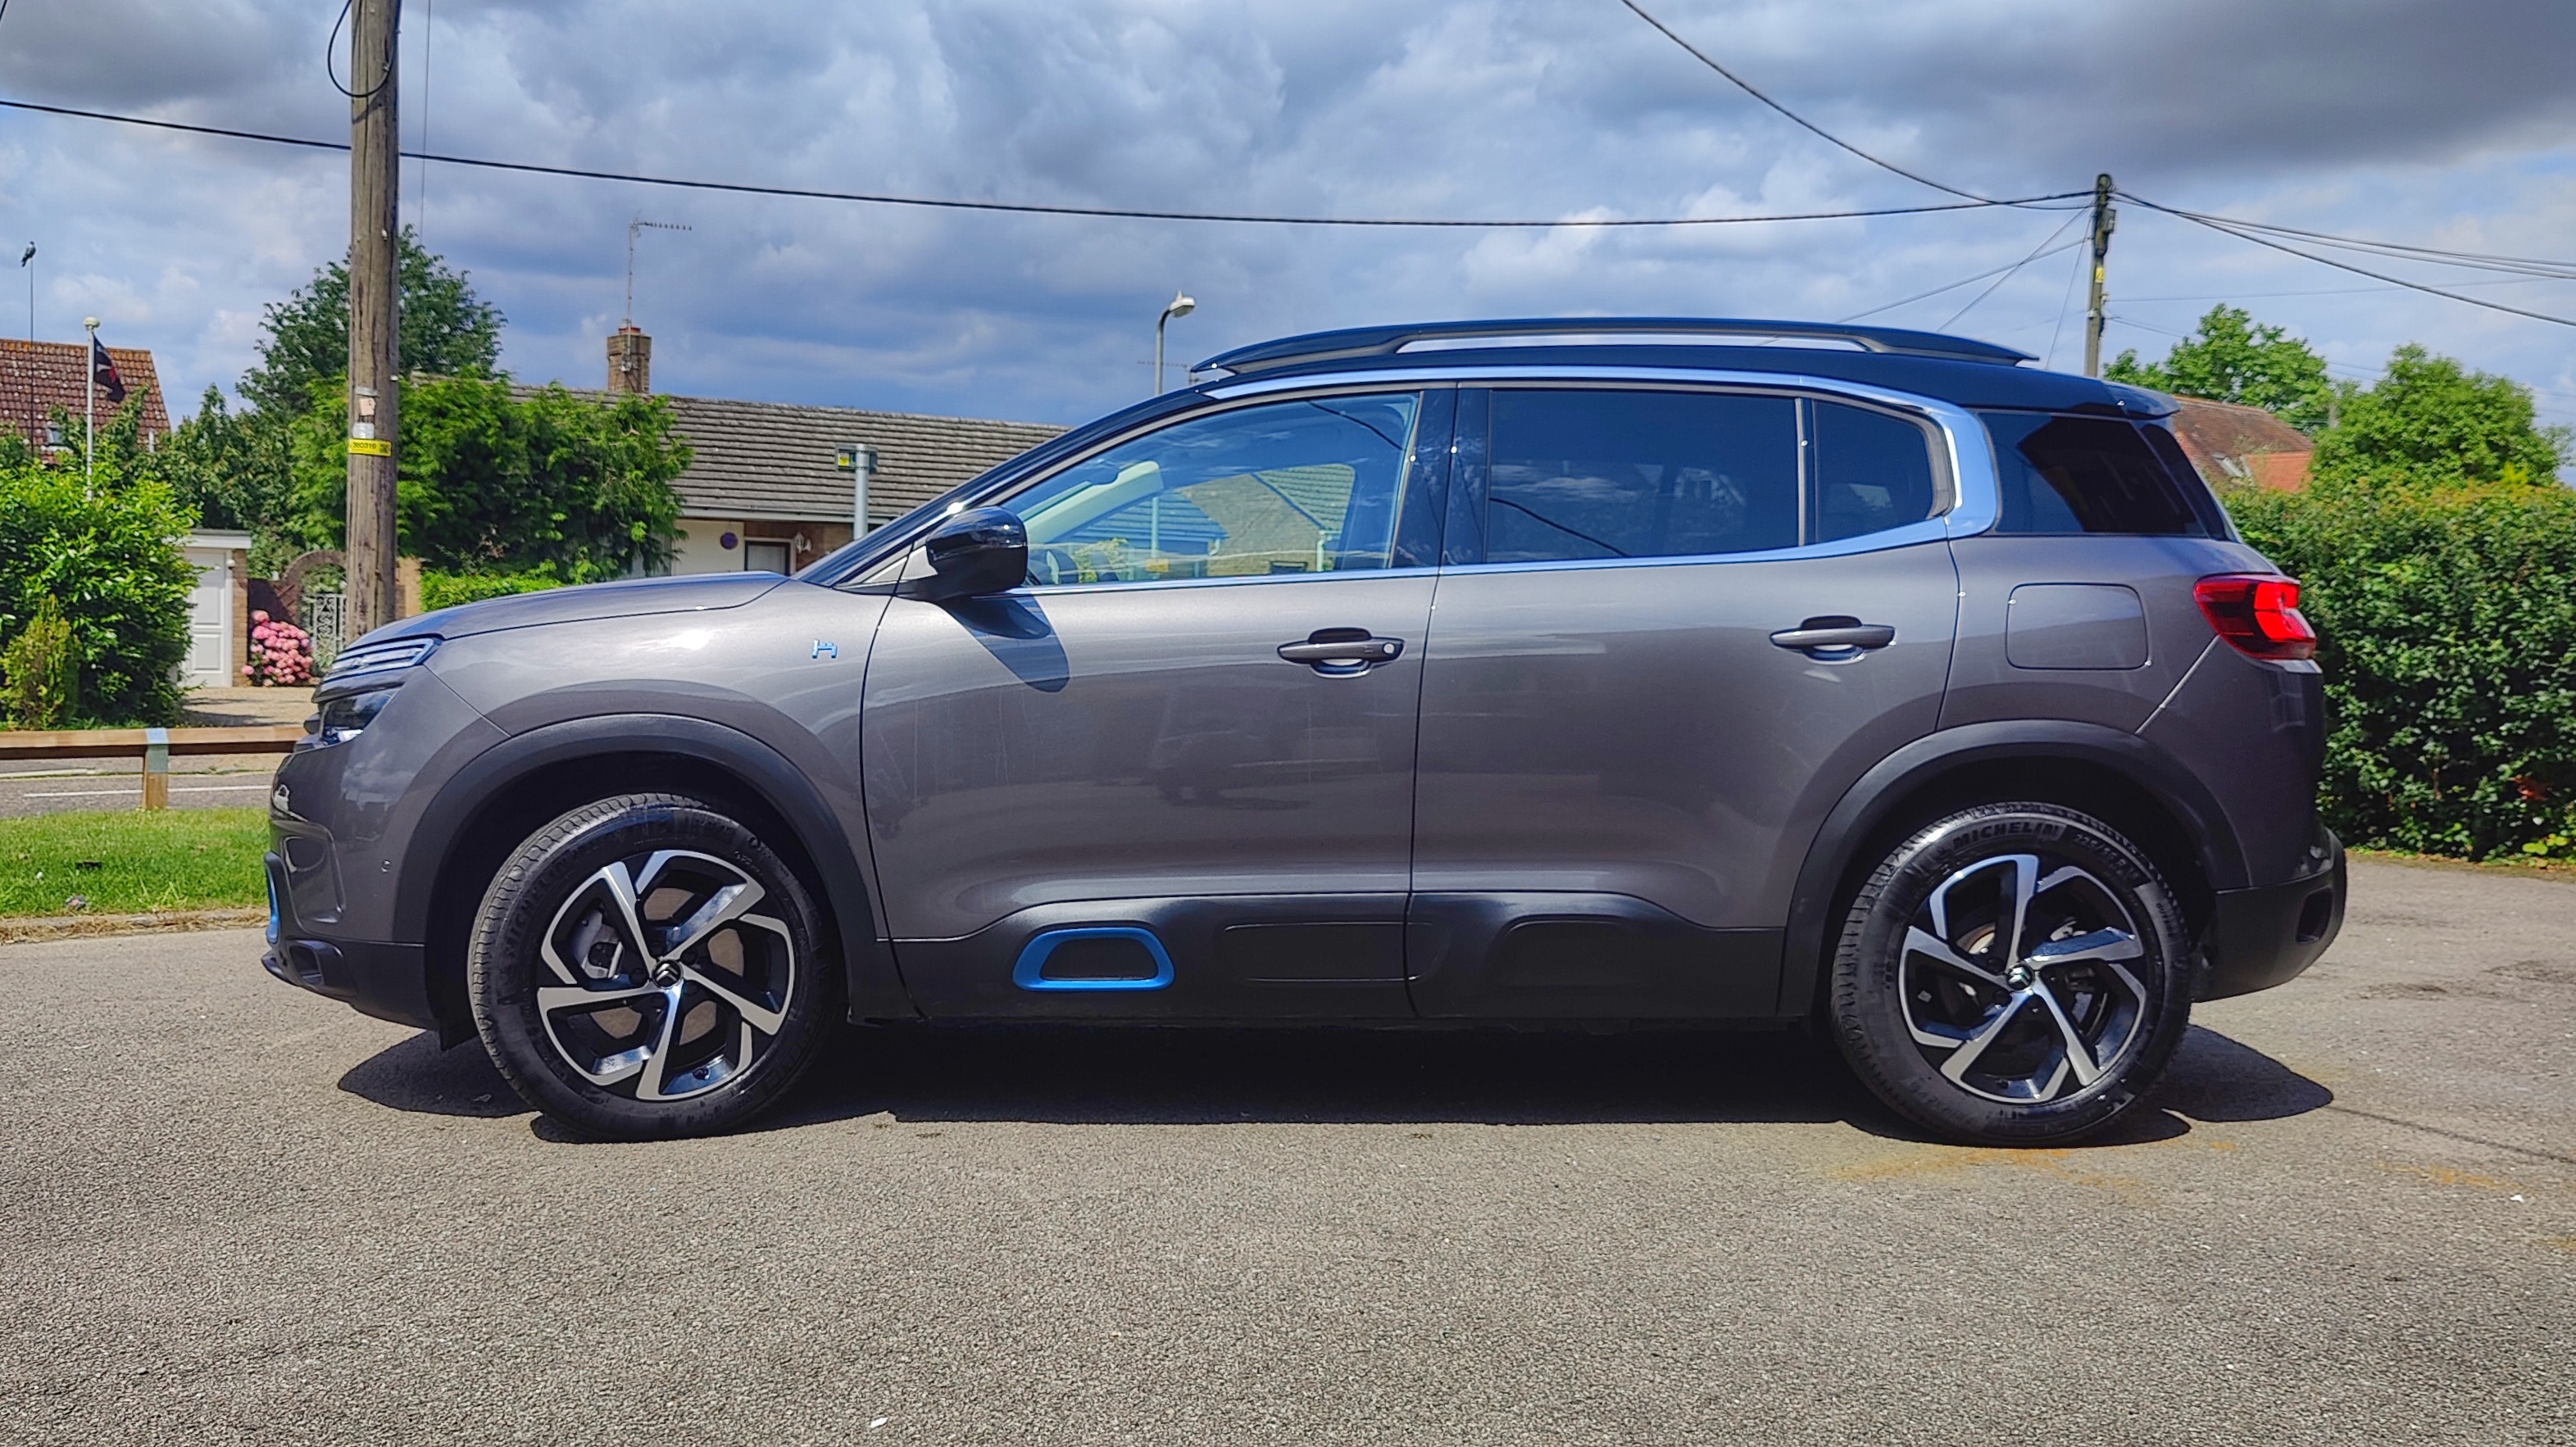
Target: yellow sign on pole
point(371, 447)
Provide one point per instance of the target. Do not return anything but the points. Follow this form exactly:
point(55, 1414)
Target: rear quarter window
point(2062, 474)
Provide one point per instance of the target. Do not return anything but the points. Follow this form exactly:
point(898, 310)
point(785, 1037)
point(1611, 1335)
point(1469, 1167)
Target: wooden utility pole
point(375, 159)
point(2104, 219)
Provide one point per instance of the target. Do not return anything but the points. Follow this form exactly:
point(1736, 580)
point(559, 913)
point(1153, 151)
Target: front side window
point(1598, 473)
point(2085, 475)
point(1315, 485)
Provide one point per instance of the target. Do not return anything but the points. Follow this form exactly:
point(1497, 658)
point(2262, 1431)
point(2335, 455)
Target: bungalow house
point(2237, 446)
point(775, 485)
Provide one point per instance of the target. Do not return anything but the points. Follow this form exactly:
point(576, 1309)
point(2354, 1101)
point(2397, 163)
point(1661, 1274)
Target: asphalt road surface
point(233, 1212)
point(220, 782)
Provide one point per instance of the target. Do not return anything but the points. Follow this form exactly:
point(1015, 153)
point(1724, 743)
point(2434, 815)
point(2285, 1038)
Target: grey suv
point(1604, 670)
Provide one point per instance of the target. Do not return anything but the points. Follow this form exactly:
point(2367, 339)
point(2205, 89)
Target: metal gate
point(320, 615)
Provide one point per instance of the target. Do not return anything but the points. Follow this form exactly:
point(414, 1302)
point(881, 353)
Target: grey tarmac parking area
point(230, 1212)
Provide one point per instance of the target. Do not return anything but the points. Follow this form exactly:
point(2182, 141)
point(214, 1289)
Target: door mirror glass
point(979, 551)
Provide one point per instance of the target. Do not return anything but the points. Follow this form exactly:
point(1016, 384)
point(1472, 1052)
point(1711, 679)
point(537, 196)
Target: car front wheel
point(645, 966)
point(2014, 974)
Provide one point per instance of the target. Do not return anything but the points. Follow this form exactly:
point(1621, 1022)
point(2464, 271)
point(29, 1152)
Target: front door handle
point(1341, 652)
point(1834, 636)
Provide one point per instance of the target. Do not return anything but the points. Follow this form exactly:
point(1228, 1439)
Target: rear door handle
point(1835, 634)
point(1339, 652)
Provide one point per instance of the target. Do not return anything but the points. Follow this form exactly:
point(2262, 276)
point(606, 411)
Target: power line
point(2036, 253)
point(2225, 229)
point(2063, 303)
point(1740, 83)
point(1952, 286)
point(2476, 260)
point(1035, 208)
point(2331, 290)
point(331, 46)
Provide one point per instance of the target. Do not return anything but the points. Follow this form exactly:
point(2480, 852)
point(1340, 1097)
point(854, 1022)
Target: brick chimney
point(630, 361)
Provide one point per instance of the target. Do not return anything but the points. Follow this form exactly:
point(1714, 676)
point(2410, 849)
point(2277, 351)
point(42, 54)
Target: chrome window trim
point(1044, 590)
point(1975, 507)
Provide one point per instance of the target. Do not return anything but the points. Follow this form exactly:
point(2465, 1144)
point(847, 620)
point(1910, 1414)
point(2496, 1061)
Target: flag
point(102, 371)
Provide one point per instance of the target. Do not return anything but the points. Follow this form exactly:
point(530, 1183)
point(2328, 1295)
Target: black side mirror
point(979, 551)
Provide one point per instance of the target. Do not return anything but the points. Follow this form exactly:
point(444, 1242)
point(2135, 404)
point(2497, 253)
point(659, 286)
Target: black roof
point(1959, 370)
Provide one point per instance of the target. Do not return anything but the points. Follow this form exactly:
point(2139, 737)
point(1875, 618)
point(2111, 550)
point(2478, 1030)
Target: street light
point(89, 426)
point(1180, 306)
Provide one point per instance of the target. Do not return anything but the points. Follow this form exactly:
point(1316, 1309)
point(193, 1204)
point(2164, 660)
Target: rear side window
point(1871, 471)
point(1596, 473)
point(2085, 475)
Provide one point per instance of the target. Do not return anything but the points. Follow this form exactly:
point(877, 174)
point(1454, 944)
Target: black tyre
point(2014, 974)
point(644, 966)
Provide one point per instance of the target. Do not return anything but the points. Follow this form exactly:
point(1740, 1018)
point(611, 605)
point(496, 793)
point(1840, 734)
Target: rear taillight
point(2258, 614)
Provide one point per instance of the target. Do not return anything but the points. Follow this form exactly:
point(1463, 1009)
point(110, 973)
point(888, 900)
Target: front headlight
point(343, 718)
point(361, 682)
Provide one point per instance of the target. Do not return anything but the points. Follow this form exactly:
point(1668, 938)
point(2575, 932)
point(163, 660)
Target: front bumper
point(388, 981)
point(2263, 937)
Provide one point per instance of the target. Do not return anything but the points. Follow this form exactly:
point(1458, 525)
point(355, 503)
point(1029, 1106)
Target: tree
point(492, 482)
point(2431, 420)
point(2229, 358)
point(446, 329)
point(235, 468)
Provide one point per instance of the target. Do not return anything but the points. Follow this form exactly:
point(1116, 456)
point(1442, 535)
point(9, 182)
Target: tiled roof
point(2232, 443)
point(37, 377)
point(777, 459)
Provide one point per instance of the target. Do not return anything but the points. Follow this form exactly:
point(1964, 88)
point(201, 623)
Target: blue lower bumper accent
point(1030, 971)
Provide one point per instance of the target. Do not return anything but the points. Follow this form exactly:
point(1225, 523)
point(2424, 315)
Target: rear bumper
point(388, 981)
point(2263, 937)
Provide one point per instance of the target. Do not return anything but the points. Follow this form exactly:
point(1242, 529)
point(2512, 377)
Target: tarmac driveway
point(233, 1212)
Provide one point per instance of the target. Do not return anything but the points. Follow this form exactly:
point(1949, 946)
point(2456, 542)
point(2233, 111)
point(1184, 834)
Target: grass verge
point(131, 862)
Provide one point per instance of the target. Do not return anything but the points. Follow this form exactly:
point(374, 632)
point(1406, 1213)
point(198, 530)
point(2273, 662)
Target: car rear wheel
point(2014, 974)
point(645, 966)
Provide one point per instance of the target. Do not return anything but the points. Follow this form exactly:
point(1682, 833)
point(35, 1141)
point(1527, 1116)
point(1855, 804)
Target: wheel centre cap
point(667, 973)
point(2019, 977)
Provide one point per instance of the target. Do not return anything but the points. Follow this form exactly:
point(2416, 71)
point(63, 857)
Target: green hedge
point(112, 560)
point(2447, 624)
point(447, 590)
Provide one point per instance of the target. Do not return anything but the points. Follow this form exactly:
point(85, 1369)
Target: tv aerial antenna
point(635, 228)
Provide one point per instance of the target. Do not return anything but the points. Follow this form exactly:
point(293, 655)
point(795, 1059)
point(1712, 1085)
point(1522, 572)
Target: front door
point(1173, 775)
point(1691, 621)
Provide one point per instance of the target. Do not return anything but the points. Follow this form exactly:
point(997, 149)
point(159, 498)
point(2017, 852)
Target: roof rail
point(1386, 341)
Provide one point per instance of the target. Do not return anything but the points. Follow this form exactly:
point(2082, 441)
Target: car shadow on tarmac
point(1096, 1075)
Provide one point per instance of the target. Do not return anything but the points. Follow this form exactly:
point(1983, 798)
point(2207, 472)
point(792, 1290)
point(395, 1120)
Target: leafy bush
point(2447, 622)
point(113, 563)
point(281, 654)
point(447, 590)
point(42, 670)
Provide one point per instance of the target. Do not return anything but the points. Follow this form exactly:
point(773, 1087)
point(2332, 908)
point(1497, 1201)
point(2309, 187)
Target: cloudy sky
point(2444, 124)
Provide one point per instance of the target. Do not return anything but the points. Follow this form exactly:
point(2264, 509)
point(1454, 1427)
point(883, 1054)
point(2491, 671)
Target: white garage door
point(210, 621)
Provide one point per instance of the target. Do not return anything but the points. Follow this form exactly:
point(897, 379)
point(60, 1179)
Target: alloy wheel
point(2015, 979)
point(665, 984)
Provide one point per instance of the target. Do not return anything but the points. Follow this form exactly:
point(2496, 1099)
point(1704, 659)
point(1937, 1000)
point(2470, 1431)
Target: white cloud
point(2440, 124)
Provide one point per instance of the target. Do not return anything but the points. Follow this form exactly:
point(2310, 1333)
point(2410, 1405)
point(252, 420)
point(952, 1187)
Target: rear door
point(1673, 627)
